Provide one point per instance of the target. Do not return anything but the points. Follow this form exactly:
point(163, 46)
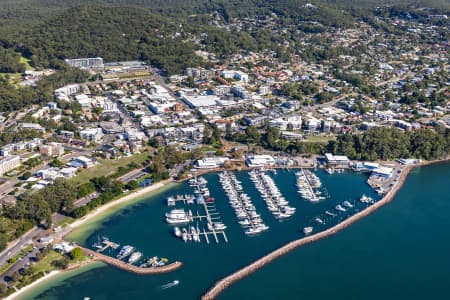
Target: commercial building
point(200, 100)
point(287, 123)
point(68, 90)
point(384, 172)
point(9, 163)
point(336, 160)
point(52, 149)
point(82, 161)
point(93, 134)
point(88, 63)
point(31, 126)
point(210, 162)
point(255, 161)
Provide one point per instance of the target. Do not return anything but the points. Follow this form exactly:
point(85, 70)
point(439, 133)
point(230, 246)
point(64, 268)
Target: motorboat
point(177, 216)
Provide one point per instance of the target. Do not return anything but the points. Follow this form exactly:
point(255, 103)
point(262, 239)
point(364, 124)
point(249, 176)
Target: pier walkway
point(130, 268)
point(222, 284)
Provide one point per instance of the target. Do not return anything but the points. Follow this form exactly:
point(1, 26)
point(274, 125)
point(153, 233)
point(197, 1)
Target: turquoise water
point(396, 253)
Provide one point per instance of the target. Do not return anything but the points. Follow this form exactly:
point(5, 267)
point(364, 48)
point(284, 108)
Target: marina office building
point(337, 161)
point(210, 162)
point(258, 161)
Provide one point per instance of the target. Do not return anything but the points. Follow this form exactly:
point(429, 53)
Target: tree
point(56, 163)
point(76, 253)
point(3, 288)
point(62, 263)
point(26, 175)
point(15, 276)
point(132, 185)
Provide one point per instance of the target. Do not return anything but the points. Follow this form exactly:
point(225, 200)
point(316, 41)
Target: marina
point(270, 193)
point(190, 233)
point(141, 225)
point(242, 205)
point(309, 186)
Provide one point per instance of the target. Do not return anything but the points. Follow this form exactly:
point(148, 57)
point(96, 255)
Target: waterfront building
point(210, 162)
point(384, 172)
point(9, 163)
point(336, 160)
point(257, 161)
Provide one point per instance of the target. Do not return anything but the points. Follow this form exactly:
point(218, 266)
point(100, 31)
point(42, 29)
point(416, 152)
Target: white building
point(263, 90)
point(255, 161)
point(52, 149)
point(210, 162)
point(49, 174)
point(384, 172)
point(200, 100)
point(92, 134)
point(222, 90)
point(109, 106)
point(68, 90)
point(9, 163)
point(82, 161)
point(95, 62)
point(239, 91)
point(336, 160)
point(287, 123)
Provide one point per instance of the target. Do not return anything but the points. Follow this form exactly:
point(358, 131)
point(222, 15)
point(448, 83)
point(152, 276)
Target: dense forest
point(47, 31)
point(385, 143)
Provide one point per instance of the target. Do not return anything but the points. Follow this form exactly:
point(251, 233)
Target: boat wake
point(169, 285)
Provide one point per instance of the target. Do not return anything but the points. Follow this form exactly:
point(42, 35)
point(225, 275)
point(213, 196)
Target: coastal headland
point(227, 281)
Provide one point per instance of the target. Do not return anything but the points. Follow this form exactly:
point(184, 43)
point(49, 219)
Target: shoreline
point(132, 196)
point(227, 281)
point(53, 274)
point(33, 284)
point(82, 221)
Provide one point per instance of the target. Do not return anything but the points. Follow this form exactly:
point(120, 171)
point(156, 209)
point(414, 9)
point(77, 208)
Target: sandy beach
point(127, 198)
point(32, 285)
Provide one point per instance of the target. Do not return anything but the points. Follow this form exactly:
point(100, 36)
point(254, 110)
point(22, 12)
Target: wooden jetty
point(130, 268)
point(108, 244)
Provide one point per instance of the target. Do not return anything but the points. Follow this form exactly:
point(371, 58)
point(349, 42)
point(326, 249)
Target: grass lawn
point(45, 265)
point(107, 167)
point(319, 139)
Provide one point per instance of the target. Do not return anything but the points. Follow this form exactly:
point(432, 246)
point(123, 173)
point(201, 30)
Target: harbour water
point(397, 252)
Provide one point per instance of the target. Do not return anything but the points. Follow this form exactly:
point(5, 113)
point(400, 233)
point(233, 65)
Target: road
point(36, 232)
point(9, 185)
point(135, 174)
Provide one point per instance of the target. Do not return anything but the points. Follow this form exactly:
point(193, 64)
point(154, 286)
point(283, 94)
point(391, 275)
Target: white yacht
point(307, 230)
point(134, 257)
point(177, 216)
point(177, 231)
